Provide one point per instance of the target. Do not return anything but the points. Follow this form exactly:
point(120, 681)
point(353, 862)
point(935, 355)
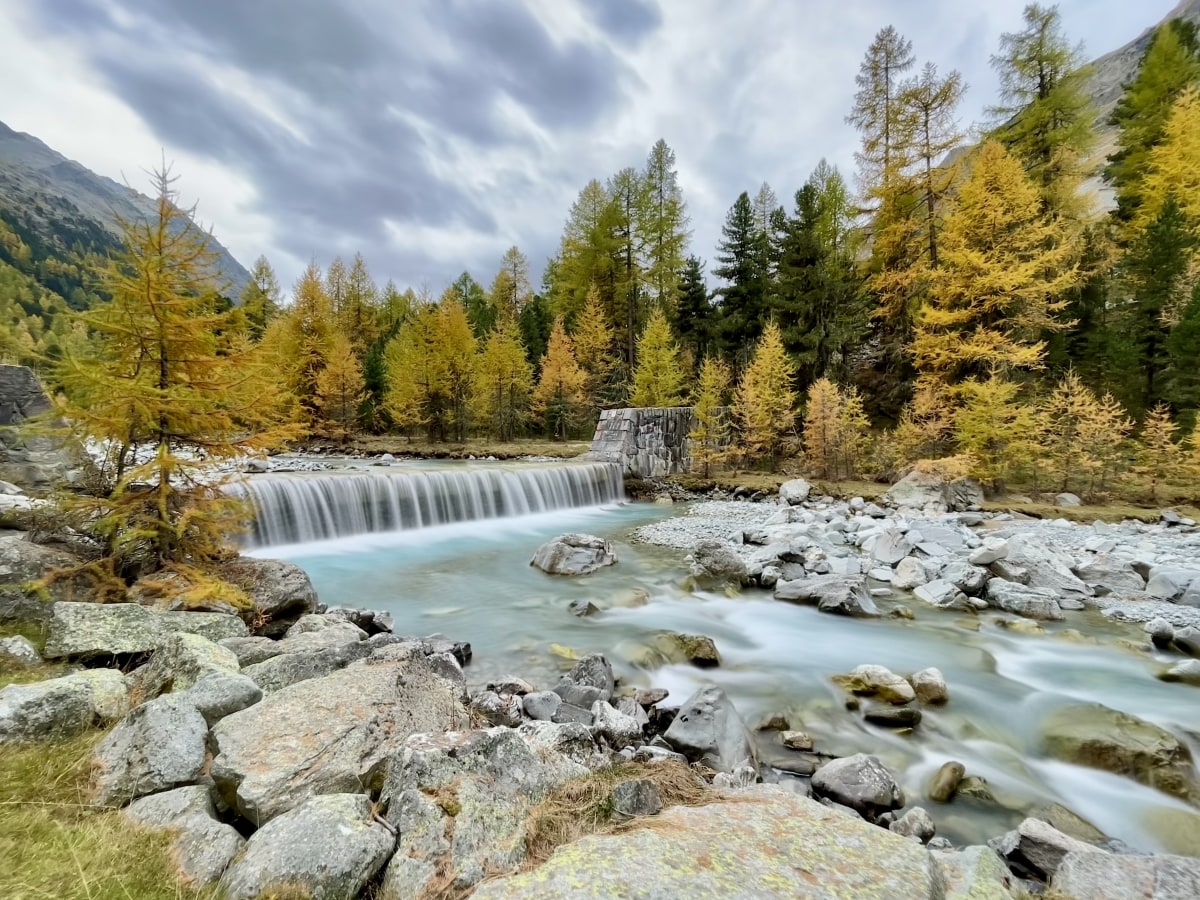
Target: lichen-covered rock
point(86, 630)
point(1102, 738)
point(294, 666)
point(766, 844)
point(877, 681)
point(669, 647)
point(280, 592)
point(860, 782)
point(1038, 848)
point(159, 746)
point(218, 694)
point(574, 554)
point(214, 626)
point(634, 798)
point(201, 847)
point(179, 662)
point(19, 652)
point(330, 734)
point(615, 727)
point(977, 873)
point(707, 729)
point(590, 680)
point(61, 707)
point(328, 848)
point(1121, 877)
point(462, 800)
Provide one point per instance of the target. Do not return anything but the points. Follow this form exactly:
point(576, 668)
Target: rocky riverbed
point(312, 748)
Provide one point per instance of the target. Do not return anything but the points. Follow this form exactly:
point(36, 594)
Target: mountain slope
point(57, 206)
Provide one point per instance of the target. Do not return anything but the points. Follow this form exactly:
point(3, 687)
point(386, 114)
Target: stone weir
point(646, 442)
point(298, 508)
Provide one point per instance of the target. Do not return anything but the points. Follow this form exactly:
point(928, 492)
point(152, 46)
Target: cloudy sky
point(433, 134)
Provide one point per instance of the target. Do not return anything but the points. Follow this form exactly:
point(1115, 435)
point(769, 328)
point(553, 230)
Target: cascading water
point(298, 508)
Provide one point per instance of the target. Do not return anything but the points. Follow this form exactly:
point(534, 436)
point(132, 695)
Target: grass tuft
point(583, 806)
point(54, 845)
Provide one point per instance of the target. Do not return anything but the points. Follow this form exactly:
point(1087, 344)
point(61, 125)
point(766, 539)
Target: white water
point(472, 581)
point(299, 508)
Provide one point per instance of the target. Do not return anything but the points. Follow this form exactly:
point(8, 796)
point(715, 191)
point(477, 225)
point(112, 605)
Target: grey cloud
point(627, 20)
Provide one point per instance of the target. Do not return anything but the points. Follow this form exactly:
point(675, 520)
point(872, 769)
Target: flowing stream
point(471, 580)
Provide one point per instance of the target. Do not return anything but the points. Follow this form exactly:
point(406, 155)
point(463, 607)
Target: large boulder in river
point(1102, 738)
point(707, 729)
point(326, 849)
point(1030, 603)
point(717, 565)
point(860, 782)
point(62, 707)
point(877, 681)
point(333, 733)
point(574, 554)
point(764, 843)
point(280, 592)
point(845, 595)
point(1047, 567)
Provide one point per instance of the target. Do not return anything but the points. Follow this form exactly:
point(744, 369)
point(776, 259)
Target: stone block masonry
point(646, 442)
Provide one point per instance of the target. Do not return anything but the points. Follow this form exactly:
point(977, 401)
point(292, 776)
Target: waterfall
point(298, 508)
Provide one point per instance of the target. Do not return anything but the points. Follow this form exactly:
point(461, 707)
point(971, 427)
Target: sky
point(431, 135)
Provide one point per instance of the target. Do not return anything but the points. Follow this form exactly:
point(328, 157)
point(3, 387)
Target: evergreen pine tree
point(693, 313)
point(742, 309)
point(261, 297)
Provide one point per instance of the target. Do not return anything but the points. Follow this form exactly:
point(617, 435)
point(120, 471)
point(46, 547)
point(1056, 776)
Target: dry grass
point(1108, 512)
point(478, 447)
point(53, 845)
point(583, 806)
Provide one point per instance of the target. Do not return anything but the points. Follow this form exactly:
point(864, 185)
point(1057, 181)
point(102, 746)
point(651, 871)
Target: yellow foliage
point(658, 379)
point(1004, 268)
point(559, 395)
point(765, 405)
point(994, 430)
point(710, 418)
point(1174, 164)
point(950, 468)
point(835, 430)
point(1159, 460)
point(923, 431)
point(340, 387)
point(503, 381)
point(1080, 434)
point(594, 346)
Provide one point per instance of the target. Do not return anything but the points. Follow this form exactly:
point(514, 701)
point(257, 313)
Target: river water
point(472, 581)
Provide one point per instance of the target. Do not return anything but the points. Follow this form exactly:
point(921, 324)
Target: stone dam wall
point(647, 442)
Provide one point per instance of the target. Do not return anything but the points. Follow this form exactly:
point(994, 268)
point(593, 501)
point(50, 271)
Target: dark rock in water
point(1038, 849)
point(774, 722)
point(583, 607)
point(803, 764)
point(460, 650)
point(1068, 823)
point(669, 647)
point(1187, 639)
point(894, 716)
point(709, 730)
point(328, 847)
point(574, 554)
point(372, 621)
point(860, 782)
point(280, 592)
point(945, 782)
point(634, 798)
point(1102, 738)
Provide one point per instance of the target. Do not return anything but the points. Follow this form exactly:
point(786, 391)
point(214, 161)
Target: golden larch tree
point(658, 379)
point(559, 397)
point(1173, 168)
point(340, 388)
point(455, 343)
point(765, 405)
point(417, 379)
point(994, 430)
point(304, 338)
point(1003, 274)
point(503, 381)
point(709, 434)
point(1079, 436)
point(171, 389)
point(1160, 460)
point(595, 347)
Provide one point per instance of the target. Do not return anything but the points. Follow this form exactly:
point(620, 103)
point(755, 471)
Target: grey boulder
point(159, 746)
point(62, 707)
point(716, 565)
point(845, 595)
point(943, 595)
point(794, 492)
point(1030, 603)
point(87, 630)
point(328, 848)
point(1038, 848)
point(201, 847)
point(279, 591)
point(19, 652)
point(859, 782)
point(1121, 877)
point(219, 694)
point(707, 729)
point(574, 554)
